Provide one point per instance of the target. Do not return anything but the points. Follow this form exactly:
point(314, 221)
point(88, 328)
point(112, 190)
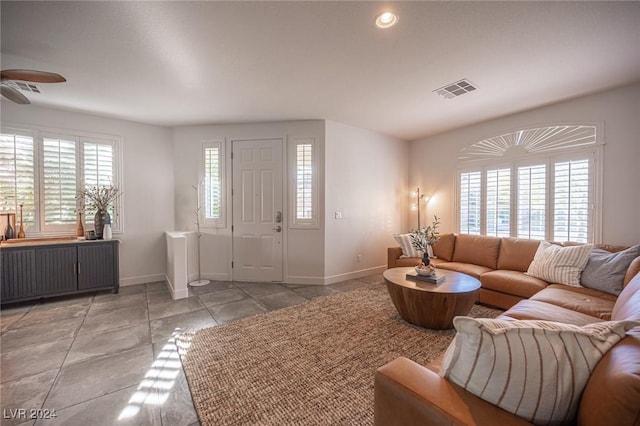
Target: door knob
point(278, 228)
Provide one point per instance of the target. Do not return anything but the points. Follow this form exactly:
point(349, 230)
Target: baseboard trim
point(354, 275)
point(124, 282)
point(176, 294)
point(304, 280)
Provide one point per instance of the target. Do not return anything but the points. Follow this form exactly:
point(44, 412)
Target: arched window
point(541, 183)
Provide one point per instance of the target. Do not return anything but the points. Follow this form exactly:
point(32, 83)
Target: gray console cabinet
point(32, 271)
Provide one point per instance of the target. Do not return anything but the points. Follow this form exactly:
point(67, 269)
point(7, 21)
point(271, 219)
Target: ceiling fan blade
point(13, 95)
point(32, 75)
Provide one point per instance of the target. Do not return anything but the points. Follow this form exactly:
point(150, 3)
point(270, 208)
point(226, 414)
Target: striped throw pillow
point(558, 264)
point(404, 241)
point(534, 369)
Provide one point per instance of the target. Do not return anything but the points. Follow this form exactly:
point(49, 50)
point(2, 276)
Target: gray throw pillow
point(605, 270)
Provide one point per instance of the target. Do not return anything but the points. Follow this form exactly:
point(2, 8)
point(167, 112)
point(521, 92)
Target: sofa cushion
point(516, 254)
point(512, 282)
point(534, 369)
point(605, 271)
point(404, 241)
point(477, 249)
point(465, 268)
point(634, 269)
point(443, 249)
point(628, 304)
point(537, 310)
point(559, 264)
point(584, 300)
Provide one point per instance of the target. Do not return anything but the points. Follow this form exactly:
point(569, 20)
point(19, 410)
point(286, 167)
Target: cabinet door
point(56, 270)
point(96, 266)
point(18, 274)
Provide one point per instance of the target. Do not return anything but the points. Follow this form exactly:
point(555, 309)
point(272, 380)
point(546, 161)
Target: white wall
point(366, 181)
point(304, 248)
point(433, 160)
point(148, 204)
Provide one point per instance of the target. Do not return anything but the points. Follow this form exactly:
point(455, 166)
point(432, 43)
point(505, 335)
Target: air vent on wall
point(455, 89)
point(27, 87)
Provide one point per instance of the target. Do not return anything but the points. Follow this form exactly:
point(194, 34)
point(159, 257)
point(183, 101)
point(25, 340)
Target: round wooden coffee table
point(431, 305)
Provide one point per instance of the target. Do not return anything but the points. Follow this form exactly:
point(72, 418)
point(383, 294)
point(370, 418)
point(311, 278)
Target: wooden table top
point(455, 282)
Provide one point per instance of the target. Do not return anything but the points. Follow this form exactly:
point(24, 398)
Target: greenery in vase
point(99, 197)
point(422, 238)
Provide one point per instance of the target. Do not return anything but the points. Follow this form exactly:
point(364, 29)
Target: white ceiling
point(182, 63)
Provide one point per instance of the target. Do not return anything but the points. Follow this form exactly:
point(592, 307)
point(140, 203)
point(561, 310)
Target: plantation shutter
point(470, 202)
point(17, 177)
point(532, 192)
point(213, 181)
point(304, 181)
point(59, 181)
point(98, 171)
point(571, 201)
point(499, 202)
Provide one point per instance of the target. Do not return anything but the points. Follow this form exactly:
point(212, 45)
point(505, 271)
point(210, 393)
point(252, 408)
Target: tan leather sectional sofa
point(410, 394)
point(500, 265)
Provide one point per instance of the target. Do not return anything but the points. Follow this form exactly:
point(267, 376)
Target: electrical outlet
point(338, 215)
point(359, 258)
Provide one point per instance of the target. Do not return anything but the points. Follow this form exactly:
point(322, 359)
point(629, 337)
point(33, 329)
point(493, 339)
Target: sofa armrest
point(632, 271)
point(408, 394)
point(393, 254)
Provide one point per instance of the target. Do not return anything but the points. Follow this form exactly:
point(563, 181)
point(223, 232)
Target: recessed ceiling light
point(386, 20)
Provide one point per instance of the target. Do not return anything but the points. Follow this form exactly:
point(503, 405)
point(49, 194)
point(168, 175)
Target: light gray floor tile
point(373, 279)
point(116, 318)
point(174, 307)
point(10, 315)
point(131, 289)
point(261, 289)
point(46, 314)
point(158, 285)
point(101, 343)
point(31, 360)
point(27, 393)
point(236, 310)
point(116, 301)
point(162, 329)
point(281, 300)
point(100, 376)
point(159, 296)
point(177, 406)
point(223, 296)
point(134, 405)
point(76, 300)
point(40, 333)
point(214, 286)
point(294, 286)
point(315, 291)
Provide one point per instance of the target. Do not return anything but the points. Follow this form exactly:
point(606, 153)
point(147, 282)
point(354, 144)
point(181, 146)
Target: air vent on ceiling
point(27, 87)
point(456, 89)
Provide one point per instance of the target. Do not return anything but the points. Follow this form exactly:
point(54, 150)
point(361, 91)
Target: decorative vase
point(425, 259)
point(100, 219)
point(21, 232)
point(106, 232)
point(80, 227)
point(430, 250)
point(9, 234)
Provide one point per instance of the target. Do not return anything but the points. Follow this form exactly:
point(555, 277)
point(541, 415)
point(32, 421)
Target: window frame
point(594, 156)
point(294, 221)
point(222, 220)
point(38, 134)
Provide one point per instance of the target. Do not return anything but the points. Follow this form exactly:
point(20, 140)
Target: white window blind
point(470, 202)
point(304, 181)
point(213, 182)
point(17, 177)
point(47, 171)
point(571, 201)
point(59, 181)
point(499, 202)
point(532, 202)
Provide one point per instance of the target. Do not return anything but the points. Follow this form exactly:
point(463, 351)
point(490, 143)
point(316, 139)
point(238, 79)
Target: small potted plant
point(100, 198)
point(423, 238)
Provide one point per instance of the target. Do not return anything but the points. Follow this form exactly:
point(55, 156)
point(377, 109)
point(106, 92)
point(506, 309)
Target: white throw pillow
point(534, 369)
point(404, 241)
point(558, 264)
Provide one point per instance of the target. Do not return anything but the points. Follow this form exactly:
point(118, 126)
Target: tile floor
point(106, 359)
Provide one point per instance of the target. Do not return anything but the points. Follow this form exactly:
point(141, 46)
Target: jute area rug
point(311, 364)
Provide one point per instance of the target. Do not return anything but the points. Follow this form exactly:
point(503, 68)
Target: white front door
point(257, 210)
